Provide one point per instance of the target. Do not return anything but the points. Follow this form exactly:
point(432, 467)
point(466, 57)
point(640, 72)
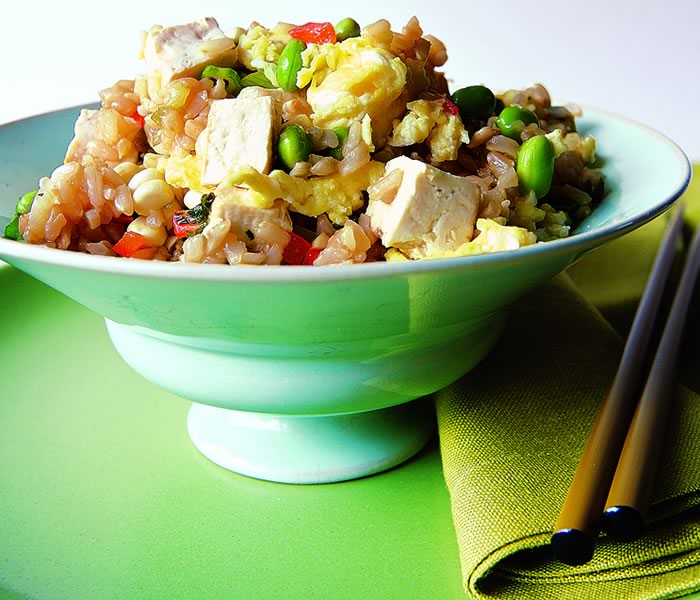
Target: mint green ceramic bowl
point(308, 375)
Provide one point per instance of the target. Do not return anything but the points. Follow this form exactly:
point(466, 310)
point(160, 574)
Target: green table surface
point(102, 494)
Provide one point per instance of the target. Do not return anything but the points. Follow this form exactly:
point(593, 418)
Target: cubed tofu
point(184, 50)
point(425, 211)
point(239, 132)
point(229, 204)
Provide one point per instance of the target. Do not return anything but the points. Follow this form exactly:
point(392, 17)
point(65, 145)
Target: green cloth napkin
point(512, 431)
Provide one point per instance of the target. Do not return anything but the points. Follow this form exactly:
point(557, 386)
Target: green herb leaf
point(193, 220)
point(200, 213)
point(258, 79)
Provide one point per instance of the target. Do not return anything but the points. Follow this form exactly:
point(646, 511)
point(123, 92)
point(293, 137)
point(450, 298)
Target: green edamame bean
point(232, 80)
point(535, 166)
point(337, 152)
point(293, 146)
point(289, 65)
point(347, 28)
point(513, 119)
point(474, 102)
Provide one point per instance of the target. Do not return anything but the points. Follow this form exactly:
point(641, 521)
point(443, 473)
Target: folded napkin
point(512, 432)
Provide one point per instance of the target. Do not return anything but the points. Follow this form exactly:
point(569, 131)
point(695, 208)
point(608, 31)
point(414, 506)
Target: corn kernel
point(192, 198)
point(154, 236)
point(143, 177)
point(152, 195)
point(127, 170)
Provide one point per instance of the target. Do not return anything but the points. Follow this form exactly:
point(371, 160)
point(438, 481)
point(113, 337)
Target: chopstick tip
point(624, 523)
point(572, 546)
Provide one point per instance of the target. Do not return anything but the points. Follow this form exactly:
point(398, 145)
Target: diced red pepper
point(137, 117)
point(314, 33)
point(129, 243)
point(295, 250)
point(311, 256)
point(450, 106)
point(125, 219)
point(184, 225)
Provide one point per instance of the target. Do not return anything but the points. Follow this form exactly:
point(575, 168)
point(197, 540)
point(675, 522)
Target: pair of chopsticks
point(612, 484)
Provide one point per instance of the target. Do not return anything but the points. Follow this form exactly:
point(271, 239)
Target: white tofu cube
point(244, 218)
point(431, 212)
point(184, 50)
point(239, 132)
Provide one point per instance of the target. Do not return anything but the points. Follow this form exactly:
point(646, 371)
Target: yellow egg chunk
point(259, 47)
point(255, 188)
point(428, 120)
point(394, 255)
point(493, 237)
point(184, 172)
point(350, 80)
point(338, 195)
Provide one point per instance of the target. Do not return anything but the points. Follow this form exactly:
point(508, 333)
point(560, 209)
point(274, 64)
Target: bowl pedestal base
point(308, 413)
point(310, 449)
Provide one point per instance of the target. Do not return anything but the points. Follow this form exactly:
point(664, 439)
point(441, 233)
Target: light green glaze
point(334, 340)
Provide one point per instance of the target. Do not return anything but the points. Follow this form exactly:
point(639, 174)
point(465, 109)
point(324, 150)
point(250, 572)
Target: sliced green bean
point(232, 80)
point(289, 65)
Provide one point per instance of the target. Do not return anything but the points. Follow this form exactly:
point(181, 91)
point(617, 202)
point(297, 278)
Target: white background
point(639, 59)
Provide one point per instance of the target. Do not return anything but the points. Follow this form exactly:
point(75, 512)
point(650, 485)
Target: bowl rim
point(271, 274)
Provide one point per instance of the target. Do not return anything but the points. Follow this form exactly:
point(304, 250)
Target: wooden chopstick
point(578, 523)
point(628, 501)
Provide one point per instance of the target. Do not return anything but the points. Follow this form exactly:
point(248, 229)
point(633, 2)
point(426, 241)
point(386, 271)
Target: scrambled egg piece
point(366, 132)
point(574, 142)
point(542, 220)
point(394, 255)
point(255, 188)
point(349, 80)
point(337, 195)
point(184, 172)
point(260, 48)
point(493, 237)
point(428, 120)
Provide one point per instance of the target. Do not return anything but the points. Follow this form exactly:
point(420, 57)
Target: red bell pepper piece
point(125, 219)
point(314, 33)
point(137, 117)
point(311, 256)
point(295, 250)
point(450, 106)
point(129, 243)
point(184, 225)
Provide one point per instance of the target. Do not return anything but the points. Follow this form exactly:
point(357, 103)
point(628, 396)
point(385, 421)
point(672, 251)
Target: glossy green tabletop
point(102, 494)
